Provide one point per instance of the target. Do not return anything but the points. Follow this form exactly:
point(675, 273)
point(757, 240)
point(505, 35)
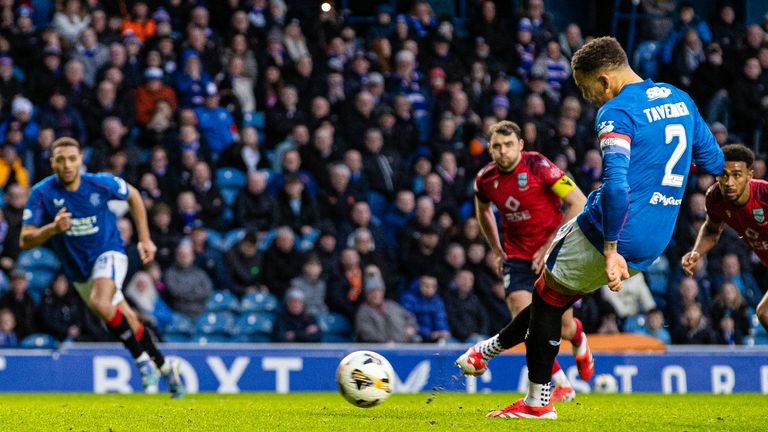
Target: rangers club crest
point(95, 200)
point(759, 215)
point(522, 180)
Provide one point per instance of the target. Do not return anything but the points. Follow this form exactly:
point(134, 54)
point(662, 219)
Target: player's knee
point(101, 304)
point(762, 313)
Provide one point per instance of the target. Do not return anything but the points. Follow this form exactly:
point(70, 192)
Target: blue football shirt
point(93, 229)
point(649, 135)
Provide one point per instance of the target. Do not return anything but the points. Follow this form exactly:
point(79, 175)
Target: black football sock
point(543, 341)
point(144, 336)
point(119, 328)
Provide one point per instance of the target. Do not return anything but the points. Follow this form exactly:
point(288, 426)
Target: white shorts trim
point(111, 265)
point(576, 263)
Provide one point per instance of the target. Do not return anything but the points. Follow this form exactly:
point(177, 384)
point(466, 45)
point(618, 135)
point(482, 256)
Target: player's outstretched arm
point(709, 235)
point(146, 247)
point(490, 230)
point(33, 236)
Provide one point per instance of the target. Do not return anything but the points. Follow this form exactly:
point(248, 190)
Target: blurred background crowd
point(309, 177)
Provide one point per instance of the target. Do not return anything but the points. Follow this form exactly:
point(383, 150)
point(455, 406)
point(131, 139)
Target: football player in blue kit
point(649, 134)
point(69, 211)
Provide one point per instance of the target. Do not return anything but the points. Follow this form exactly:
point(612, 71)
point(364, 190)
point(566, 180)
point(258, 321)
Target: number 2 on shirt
point(671, 132)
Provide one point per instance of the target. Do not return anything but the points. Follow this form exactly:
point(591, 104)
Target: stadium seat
point(251, 324)
point(203, 339)
point(258, 302)
point(215, 323)
point(215, 239)
point(645, 61)
point(180, 325)
point(177, 338)
point(40, 340)
point(222, 301)
point(229, 195)
point(233, 236)
point(39, 258)
point(255, 119)
point(230, 178)
point(334, 324)
point(635, 324)
point(39, 279)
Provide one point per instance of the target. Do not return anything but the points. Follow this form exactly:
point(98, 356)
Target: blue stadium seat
point(203, 339)
point(233, 236)
point(635, 324)
point(40, 340)
point(180, 325)
point(254, 323)
point(211, 323)
point(335, 338)
point(222, 301)
point(229, 195)
point(215, 239)
point(230, 178)
point(378, 203)
point(258, 302)
point(39, 258)
point(255, 119)
point(333, 323)
point(645, 60)
point(177, 338)
point(39, 279)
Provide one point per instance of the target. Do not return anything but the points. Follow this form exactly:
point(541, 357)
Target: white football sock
point(142, 358)
point(560, 379)
point(538, 394)
point(490, 347)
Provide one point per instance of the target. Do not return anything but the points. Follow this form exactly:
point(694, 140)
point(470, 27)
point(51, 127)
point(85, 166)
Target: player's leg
point(573, 331)
point(762, 311)
point(169, 370)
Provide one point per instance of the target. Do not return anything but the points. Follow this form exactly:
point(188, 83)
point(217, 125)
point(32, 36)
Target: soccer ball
point(365, 378)
point(605, 383)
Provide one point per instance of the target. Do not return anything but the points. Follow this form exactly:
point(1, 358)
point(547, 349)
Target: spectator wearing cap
point(152, 92)
point(384, 25)
point(294, 323)
point(500, 107)
point(243, 263)
point(297, 209)
point(70, 21)
point(187, 285)
point(139, 22)
point(374, 84)
point(721, 134)
point(92, 54)
point(60, 115)
point(379, 320)
point(424, 303)
point(294, 41)
point(312, 284)
point(217, 126)
point(22, 118)
point(20, 302)
point(43, 79)
point(24, 38)
point(191, 80)
point(281, 263)
point(523, 50)
point(709, 84)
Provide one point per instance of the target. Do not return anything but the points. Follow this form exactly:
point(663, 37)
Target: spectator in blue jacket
point(688, 20)
point(216, 124)
point(429, 310)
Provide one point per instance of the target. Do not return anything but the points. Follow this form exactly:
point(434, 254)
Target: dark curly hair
point(505, 127)
point(739, 153)
point(601, 53)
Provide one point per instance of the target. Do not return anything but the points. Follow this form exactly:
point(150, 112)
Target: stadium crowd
point(309, 180)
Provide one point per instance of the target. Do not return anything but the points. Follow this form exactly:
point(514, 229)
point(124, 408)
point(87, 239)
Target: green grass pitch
point(401, 413)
